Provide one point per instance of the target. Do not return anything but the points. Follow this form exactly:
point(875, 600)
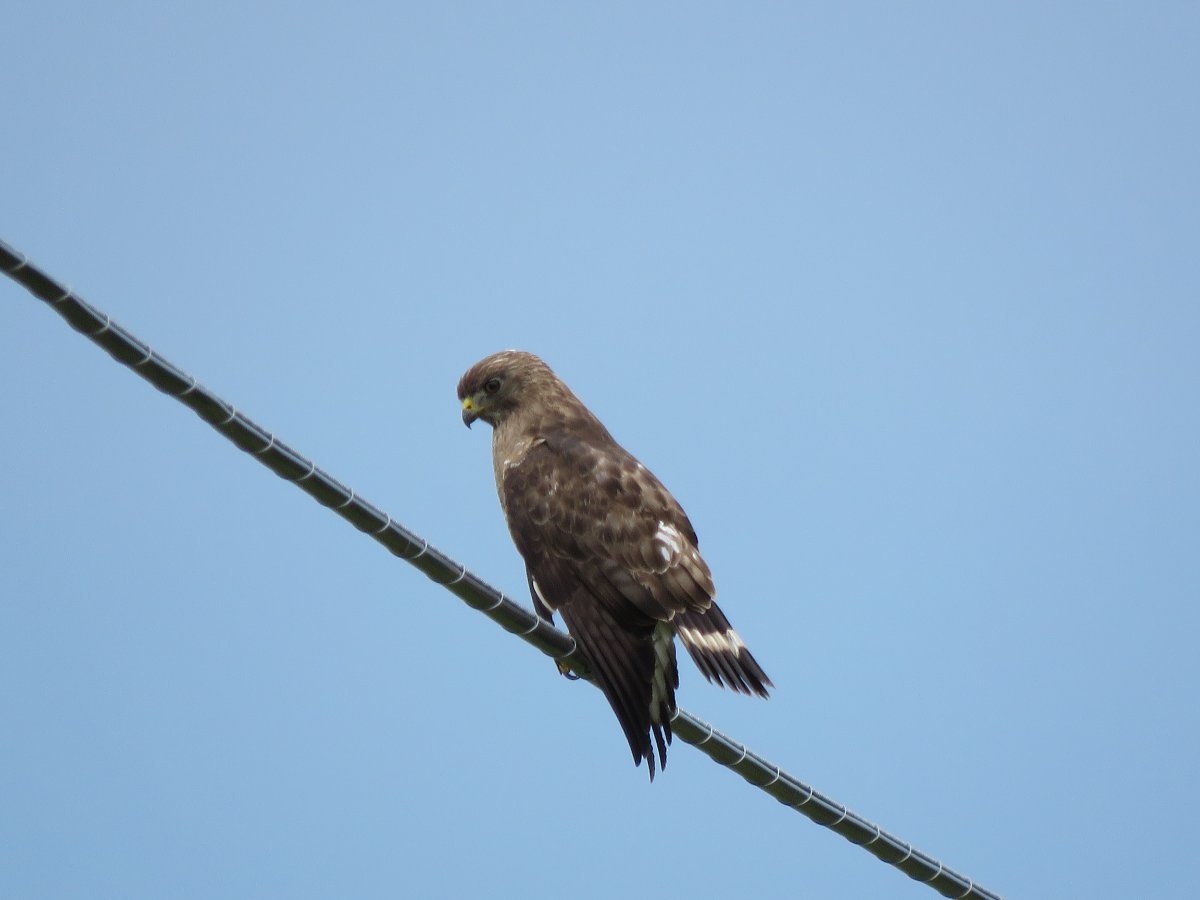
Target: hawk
point(605, 545)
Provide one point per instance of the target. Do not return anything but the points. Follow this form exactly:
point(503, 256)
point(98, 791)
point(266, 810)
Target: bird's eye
point(492, 385)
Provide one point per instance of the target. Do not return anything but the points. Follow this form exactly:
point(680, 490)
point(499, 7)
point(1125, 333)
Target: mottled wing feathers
point(600, 506)
point(580, 540)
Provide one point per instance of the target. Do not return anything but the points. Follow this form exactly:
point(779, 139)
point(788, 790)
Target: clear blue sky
point(901, 301)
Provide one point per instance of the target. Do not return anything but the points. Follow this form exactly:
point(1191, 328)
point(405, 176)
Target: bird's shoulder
point(585, 495)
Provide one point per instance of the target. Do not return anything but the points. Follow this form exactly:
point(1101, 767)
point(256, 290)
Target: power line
point(456, 578)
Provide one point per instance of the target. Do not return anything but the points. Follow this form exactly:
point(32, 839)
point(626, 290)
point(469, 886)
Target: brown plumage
point(605, 545)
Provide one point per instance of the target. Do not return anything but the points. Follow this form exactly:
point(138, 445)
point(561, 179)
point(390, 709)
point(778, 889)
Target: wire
point(290, 465)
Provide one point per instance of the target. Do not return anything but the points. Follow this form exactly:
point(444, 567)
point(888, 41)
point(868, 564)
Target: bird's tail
point(719, 652)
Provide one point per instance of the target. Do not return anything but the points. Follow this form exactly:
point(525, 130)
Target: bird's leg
point(565, 671)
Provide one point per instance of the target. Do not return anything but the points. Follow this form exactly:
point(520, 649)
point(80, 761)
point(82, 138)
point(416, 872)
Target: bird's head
point(494, 387)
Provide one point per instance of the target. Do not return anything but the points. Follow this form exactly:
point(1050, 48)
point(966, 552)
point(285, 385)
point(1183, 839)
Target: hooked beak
point(469, 412)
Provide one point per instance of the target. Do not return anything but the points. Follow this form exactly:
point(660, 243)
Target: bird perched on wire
point(605, 545)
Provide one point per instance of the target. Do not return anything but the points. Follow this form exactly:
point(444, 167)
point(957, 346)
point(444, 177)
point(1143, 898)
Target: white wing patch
point(670, 542)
